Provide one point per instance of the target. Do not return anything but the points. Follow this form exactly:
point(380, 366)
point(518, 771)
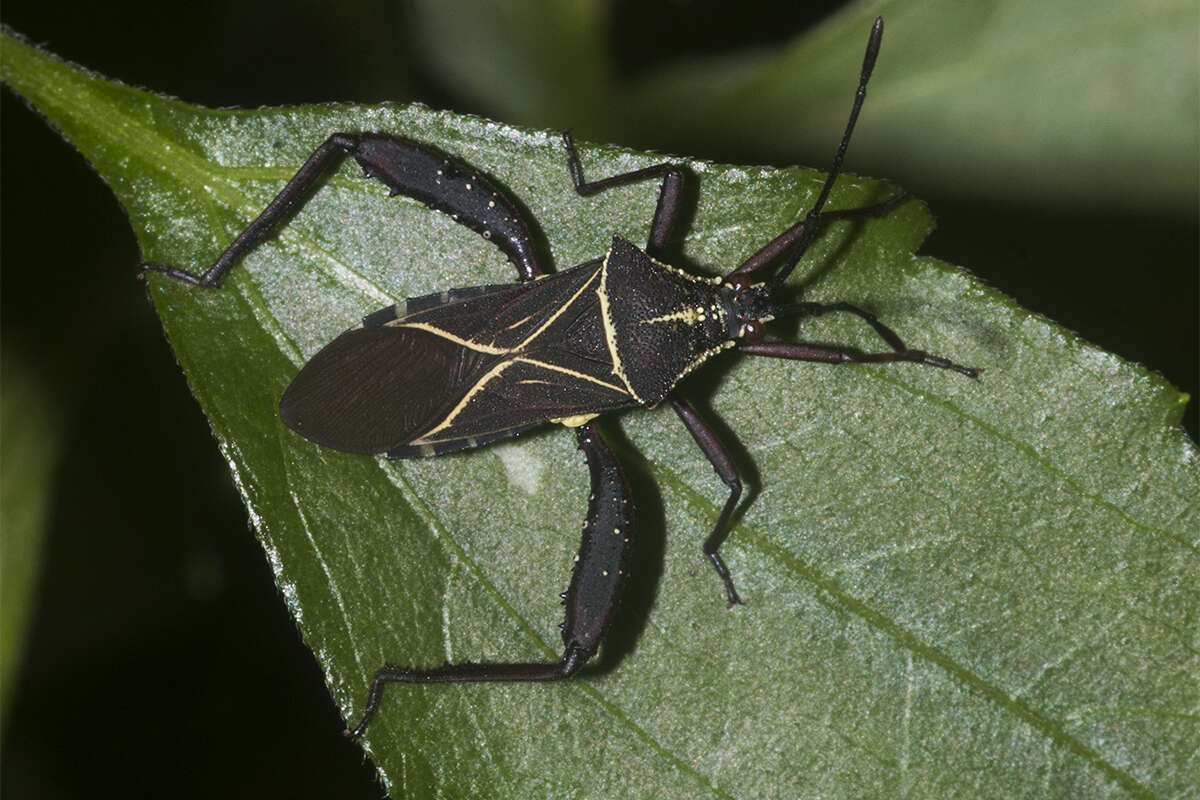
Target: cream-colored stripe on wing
point(580, 375)
point(492, 349)
point(610, 335)
point(495, 372)
point(561, 310)
point(466, 398)
point(519, 323)
point(482, 348)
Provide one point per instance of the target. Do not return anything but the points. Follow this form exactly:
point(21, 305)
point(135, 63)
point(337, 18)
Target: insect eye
point(754, 331)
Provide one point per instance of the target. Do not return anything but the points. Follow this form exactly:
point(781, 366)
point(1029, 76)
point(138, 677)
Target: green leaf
point(1083, 104)
point(952, 587)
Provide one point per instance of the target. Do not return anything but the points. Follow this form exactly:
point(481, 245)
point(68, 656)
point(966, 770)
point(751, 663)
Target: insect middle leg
point(441, 182)
point(722, 462)
point(601, 570)
point(666, 212)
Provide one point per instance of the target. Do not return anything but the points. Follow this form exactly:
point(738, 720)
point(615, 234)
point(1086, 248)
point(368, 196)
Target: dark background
point(159, 657)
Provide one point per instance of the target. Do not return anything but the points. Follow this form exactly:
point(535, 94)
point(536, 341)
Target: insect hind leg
point(405, 167)
point(571, 661)
point(290, 199)
point(722, 462)
point(600, 573)
point(453, 187)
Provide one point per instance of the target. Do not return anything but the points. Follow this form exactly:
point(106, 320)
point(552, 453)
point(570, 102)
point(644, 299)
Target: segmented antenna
point(814, 214)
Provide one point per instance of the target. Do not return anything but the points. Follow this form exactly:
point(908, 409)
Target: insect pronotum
point(466, 367)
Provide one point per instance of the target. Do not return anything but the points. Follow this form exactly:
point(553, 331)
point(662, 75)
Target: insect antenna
point(814, 214)
point(806, 352)
point(820, 309)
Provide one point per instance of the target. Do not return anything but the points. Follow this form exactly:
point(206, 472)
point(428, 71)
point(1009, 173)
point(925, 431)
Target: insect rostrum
point(461, 368)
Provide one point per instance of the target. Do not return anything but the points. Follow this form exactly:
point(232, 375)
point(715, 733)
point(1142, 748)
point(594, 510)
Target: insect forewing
point(372, 389)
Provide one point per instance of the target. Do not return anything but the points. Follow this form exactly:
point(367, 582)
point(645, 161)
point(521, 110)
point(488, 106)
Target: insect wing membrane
point(372, 389)
point(463, 368)
point(546, 359)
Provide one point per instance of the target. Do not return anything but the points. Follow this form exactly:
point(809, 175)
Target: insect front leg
point(441, 182)
point(800, 351)
point(601, 570)
point(666, 212)
point(722, 462)
point(769, 252)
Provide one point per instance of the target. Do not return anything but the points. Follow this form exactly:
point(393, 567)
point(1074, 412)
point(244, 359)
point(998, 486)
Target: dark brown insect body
point(509, 358)
point(464, 367)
